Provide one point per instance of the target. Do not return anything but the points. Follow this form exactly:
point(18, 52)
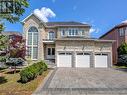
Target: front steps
point(50, 63)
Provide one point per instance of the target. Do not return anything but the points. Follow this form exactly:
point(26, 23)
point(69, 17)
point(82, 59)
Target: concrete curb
point(43, 83)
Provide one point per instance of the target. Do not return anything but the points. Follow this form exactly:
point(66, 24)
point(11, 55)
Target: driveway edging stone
point(43, 83)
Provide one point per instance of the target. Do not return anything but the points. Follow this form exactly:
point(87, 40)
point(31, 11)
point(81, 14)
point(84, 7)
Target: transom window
point(32, 43)
point(51, 35)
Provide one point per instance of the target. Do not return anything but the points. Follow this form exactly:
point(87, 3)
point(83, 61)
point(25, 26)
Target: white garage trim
point(83, 60)
point(101, 60)
point(64, 59)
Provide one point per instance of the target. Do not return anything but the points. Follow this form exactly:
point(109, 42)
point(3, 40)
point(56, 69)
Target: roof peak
point(59, 23)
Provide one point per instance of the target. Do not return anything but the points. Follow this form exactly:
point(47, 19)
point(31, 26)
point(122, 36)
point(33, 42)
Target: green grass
point(122, 67)
point(9, 84)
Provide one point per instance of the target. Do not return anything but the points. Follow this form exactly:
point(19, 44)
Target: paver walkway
point(82, 81)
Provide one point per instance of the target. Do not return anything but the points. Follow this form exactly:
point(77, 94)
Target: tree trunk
point(15, 69)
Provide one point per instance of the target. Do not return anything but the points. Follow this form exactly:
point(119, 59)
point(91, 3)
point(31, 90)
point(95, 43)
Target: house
point(67, 43)
point(11, 34)
point(119, 34)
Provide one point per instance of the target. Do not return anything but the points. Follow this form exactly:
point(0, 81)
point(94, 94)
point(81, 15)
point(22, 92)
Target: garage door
point(64, 60)
point(101, 60)
point(83, 60)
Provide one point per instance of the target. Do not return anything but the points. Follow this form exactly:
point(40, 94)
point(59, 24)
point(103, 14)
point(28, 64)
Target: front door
point(50, 53)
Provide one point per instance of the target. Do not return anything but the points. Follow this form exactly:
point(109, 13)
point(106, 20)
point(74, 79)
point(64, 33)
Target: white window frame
point(63, 34)
point(121, 32)
point(82, 30)
point(32, 45)
point(72, 32)
point(53, 35)
point(51, 49)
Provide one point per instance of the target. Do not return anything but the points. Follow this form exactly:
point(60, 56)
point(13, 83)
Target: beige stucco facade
point(87, 46)
point(61, 44)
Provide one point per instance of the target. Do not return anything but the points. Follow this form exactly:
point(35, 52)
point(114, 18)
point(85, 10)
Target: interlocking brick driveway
point(81, 81)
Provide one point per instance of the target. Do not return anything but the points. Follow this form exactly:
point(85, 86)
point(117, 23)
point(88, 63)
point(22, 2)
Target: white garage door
point(101, 60)
point(83, 60)
point(64, 60)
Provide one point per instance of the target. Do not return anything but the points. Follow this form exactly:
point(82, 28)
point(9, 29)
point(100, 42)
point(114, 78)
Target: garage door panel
point(65, 60)
point(101, 61)
point(83, 60)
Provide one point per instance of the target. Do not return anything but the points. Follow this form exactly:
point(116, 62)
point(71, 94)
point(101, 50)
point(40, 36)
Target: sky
point(102, 15)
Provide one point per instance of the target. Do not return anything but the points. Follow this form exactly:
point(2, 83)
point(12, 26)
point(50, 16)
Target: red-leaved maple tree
point(17, 47)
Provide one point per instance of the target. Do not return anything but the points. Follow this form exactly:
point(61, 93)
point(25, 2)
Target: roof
point(56, 24)
point(11, 33)
point(116, 27)
point(84, 39)
point(69, 23)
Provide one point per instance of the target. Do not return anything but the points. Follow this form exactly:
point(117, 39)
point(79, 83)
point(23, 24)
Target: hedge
point(31, 72)
point(122, 60)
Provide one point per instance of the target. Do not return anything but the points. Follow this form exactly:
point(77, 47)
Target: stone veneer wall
point(91, 47)
point(35, 22)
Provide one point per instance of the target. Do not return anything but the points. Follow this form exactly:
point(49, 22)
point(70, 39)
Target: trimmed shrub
point(31, 72)
point(122, 60)
point(122, 49)
point(122, 55)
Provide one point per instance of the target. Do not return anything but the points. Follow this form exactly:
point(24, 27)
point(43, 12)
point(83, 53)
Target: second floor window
point(82, 32)
point(33, 36)
point(51, 35)
point(63, 32)
point(73, 32)
point(121, 32)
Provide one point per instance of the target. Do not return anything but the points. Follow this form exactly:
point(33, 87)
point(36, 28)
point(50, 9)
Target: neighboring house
point(11, 34)
point(67, 43)
point(119, 34)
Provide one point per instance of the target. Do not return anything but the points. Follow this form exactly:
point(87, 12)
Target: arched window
point(33, 42)
point(51, 35)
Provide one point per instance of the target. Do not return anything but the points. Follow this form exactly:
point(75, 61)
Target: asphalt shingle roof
point(71, 23)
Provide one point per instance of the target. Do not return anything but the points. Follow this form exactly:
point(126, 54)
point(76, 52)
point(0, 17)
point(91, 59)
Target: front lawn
point(120, 67)
point(9, 84)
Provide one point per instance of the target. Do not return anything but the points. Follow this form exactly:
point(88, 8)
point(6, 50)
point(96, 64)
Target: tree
point(3, 48)
point(14, 11)
point(17, 51)
point(122, 49)
point(17, 48)
point(122, 54)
